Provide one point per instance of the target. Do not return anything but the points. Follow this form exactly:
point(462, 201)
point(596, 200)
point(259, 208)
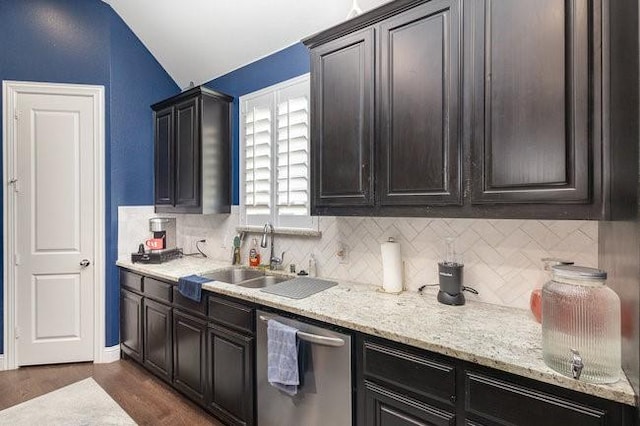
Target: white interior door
point(54, 228)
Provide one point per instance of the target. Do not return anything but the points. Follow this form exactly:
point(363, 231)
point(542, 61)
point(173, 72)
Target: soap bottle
point(312, 266)
point(254, 253)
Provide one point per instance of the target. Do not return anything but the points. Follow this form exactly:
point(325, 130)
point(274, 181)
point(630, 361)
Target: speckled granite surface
point(504, 338)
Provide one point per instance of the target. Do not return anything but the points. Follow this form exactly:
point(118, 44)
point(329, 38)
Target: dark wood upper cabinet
point(418, 109)
point(342, 121)
point(188, 169)
point(385, 118)
point(193, 153)
point(164, 145)
point(532, 124)
point(481, 108)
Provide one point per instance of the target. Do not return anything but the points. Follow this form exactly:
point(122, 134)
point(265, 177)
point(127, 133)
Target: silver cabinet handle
point(314, 338)
point(85, 262)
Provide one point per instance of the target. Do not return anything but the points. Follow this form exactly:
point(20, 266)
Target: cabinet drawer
point(130, 280)
point(231, 314)
point(157, 289)
point(500, 402)
point(391, 408)
point(410, 371)
point(186, 304)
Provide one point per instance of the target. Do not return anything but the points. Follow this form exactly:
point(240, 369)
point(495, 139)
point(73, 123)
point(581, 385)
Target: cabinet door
point(420, 153)
point(230, 375)
point(187, 181)
point(189, 355)
point(494, 401)
point(384, 407)
point(342, 121)
point(157, 338)
point(131, 324)
point(531, 109)
point(164, 157)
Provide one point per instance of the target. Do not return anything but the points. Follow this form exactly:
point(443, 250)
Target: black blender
point(450, 275)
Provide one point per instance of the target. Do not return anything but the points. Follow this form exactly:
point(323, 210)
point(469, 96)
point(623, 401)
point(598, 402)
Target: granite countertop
point(503, 338)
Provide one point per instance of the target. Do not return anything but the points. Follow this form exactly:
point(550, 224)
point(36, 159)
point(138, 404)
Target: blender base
point(451, 299)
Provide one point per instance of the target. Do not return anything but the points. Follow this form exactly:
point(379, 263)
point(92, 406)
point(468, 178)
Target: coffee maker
point(450, 275)
point(162, 246)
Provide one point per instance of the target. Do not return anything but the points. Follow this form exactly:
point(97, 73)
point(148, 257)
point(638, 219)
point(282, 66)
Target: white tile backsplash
point(501, 257)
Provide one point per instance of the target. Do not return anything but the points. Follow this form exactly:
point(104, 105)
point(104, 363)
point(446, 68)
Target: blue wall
point(280, 66)
point(84, 41)
point(137, 81)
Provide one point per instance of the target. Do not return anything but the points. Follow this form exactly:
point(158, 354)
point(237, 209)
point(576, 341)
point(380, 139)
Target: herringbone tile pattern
point(501, 257)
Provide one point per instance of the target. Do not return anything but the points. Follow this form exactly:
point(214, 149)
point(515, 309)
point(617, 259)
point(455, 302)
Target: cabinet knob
point(452, 398)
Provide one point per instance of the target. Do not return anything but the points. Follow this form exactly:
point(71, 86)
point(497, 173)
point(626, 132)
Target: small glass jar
point(581, 325)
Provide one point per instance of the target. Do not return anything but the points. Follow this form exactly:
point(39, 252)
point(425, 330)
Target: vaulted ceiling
point(198, 40)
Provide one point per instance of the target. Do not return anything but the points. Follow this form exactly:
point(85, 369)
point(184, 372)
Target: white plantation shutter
point(292, 145)
point(275, 142)
point(258, 130)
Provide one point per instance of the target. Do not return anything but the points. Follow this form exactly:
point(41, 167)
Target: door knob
point(84, 263)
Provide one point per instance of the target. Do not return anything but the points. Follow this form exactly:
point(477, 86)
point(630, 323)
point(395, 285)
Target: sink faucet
point(274, 261)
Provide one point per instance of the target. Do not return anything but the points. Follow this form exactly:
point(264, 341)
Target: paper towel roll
point(391, 267)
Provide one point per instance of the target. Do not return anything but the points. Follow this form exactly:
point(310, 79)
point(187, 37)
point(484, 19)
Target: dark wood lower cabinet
point(131, 324)
point(206, 351)
point(189, 348)
point(384, 407)
point(158, 356)
point(230, 382)
point(490, 400)
point(400, 385)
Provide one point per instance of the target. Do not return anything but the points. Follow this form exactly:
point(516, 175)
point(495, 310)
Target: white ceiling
point(198, 40)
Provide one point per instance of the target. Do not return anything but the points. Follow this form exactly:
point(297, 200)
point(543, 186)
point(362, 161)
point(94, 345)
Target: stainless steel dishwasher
point(324, 398)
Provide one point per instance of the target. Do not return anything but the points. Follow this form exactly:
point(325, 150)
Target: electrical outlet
point(343, 253)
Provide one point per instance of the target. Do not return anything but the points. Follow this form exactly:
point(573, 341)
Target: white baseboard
point(111, 354)
point(2, 366)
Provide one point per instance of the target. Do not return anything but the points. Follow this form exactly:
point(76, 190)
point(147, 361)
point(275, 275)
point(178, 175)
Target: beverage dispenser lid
point(556, 261)
point(579, 272)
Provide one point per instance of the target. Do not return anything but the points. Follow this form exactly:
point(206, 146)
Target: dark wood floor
point(147, 399)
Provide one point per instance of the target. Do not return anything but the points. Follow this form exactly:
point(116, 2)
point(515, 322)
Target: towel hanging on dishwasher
point(283, 370)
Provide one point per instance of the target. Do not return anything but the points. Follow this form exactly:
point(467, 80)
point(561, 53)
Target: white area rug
point(82, 403)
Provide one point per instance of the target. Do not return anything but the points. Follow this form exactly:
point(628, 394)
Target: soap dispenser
point(312, 266)
point(254, 253)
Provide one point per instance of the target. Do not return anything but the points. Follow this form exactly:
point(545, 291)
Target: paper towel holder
point(393, 282)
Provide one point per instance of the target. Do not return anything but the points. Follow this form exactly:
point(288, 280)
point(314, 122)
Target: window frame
point(303, 223)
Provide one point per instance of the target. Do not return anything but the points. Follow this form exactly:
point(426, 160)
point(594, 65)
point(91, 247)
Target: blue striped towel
point(282, 357)
point(191, 287)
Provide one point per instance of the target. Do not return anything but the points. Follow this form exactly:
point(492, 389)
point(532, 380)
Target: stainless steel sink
point(263, 281)
point(234, 276)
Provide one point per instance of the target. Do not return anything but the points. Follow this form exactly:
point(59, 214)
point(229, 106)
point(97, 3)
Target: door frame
point(10, 91)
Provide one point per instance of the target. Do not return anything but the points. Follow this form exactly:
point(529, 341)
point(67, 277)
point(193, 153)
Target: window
point(274, 155)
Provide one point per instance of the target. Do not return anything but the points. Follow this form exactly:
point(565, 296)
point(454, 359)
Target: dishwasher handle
point(314, 338)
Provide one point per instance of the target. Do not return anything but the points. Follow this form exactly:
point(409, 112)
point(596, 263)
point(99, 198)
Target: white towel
point(282, 357)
